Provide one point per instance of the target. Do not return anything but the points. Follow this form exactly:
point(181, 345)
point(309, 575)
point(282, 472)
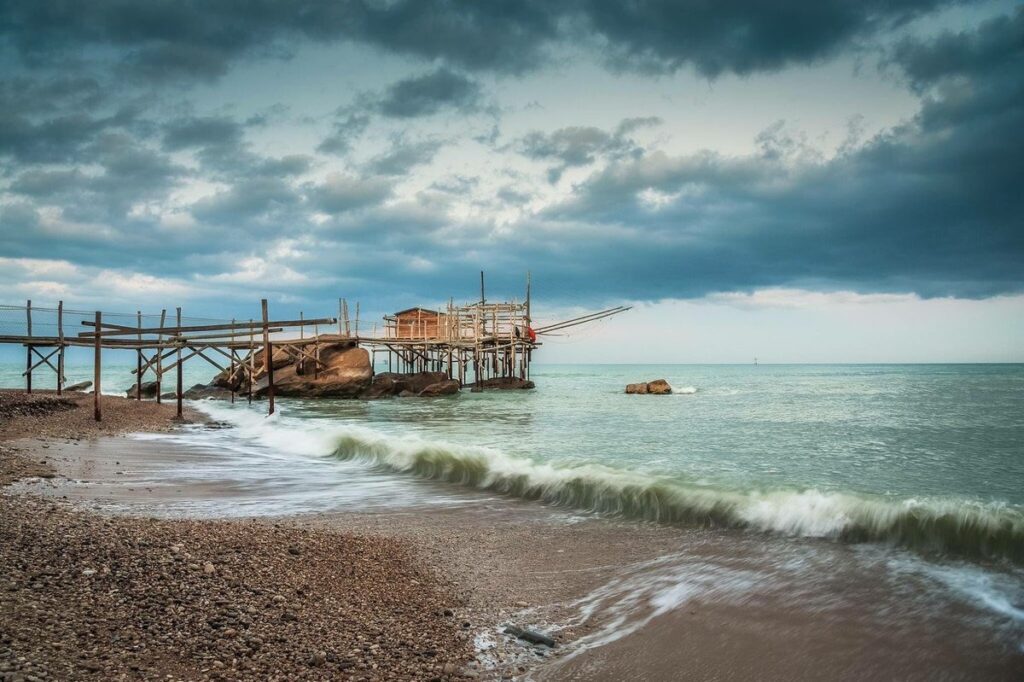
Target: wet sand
point(624, 600)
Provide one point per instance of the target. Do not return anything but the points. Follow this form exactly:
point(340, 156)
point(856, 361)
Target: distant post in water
point(268, 359)
point(97, 360)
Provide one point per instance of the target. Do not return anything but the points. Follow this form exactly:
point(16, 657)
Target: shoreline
point(592, 582)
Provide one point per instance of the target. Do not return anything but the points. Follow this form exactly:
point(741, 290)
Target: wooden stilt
point(97, 370)
point(138, 359)
point(60, 353)
point(268, 359)
point(179, 368)
point(28, 350)
point(159, 359)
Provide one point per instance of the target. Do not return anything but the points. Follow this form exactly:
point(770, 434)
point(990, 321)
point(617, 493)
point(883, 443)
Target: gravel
point(90, 596)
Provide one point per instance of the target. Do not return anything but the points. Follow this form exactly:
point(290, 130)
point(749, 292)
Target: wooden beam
point(179, 329)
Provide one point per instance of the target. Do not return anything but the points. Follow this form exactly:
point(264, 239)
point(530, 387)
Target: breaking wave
point(932, 525)
point(946, 525)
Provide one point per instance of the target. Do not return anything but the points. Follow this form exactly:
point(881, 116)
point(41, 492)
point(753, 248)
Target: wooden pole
point(97, 360)
point(180, 364)
point(268, 359)
point(138, 359)
point(483, 299)
point(252, 361)
point(159, 359)
point(60, 353)
point(28, 350)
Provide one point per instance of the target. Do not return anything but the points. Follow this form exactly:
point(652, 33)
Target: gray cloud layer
point(932, 206)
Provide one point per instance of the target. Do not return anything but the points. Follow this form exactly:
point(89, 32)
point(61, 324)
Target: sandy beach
point(419, 593)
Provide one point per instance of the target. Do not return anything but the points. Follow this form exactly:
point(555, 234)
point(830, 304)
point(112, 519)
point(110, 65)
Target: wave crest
point(942, 525)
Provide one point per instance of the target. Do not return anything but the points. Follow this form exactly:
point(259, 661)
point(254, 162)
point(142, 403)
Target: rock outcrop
point(80, 386)
point(345, 373)
point(388, 384)
point(446, 387)
point(656, 387)
point(508, 383)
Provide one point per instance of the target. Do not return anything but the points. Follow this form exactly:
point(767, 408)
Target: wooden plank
point(138, 361)
point(179, 329)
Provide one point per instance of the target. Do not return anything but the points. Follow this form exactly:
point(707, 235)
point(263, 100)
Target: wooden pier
point(477, 343)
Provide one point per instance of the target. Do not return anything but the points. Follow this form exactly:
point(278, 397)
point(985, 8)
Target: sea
point(920, 467)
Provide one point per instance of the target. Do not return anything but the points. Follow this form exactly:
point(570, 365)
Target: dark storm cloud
point(167, 39)
point(582, 145)
point(342, 193)
point(737, 36)
point(933, 206)
point(185, 133)
point(429, 93)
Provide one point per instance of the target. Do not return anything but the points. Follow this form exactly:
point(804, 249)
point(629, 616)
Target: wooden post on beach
point(268, 360)
point(28, 350)
point(97, 360)
point(252, 361)
point(60, 352)
point(138, 358)
point(159, 358)
point(178, 343)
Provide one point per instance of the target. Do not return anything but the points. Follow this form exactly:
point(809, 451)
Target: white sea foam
point(940, 524)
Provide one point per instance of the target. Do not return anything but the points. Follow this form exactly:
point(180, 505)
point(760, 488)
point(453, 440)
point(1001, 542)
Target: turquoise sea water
point(927, 456)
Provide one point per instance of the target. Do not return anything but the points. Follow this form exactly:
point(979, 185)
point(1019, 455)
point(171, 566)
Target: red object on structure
point(532, 334)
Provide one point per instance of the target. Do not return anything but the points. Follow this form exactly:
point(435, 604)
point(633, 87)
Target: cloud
point(576, 146)
point(403, 156)
point(341, 193)
point(192, 132)
point(428, 94)
point(166, 41)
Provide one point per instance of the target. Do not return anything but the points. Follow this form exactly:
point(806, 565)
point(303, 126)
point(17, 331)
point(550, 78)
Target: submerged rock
point(656, 387)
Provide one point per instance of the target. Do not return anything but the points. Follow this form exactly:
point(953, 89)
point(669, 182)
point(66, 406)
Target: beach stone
point(149, 389)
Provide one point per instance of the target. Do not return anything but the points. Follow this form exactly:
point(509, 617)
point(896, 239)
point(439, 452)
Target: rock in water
point(659, 387)
point(389, 384)
point(80, 386)
point(345, 373)
point(446, 387)
point(656, 387)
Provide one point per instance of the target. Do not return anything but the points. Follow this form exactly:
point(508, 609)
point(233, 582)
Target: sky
point(800, 182)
